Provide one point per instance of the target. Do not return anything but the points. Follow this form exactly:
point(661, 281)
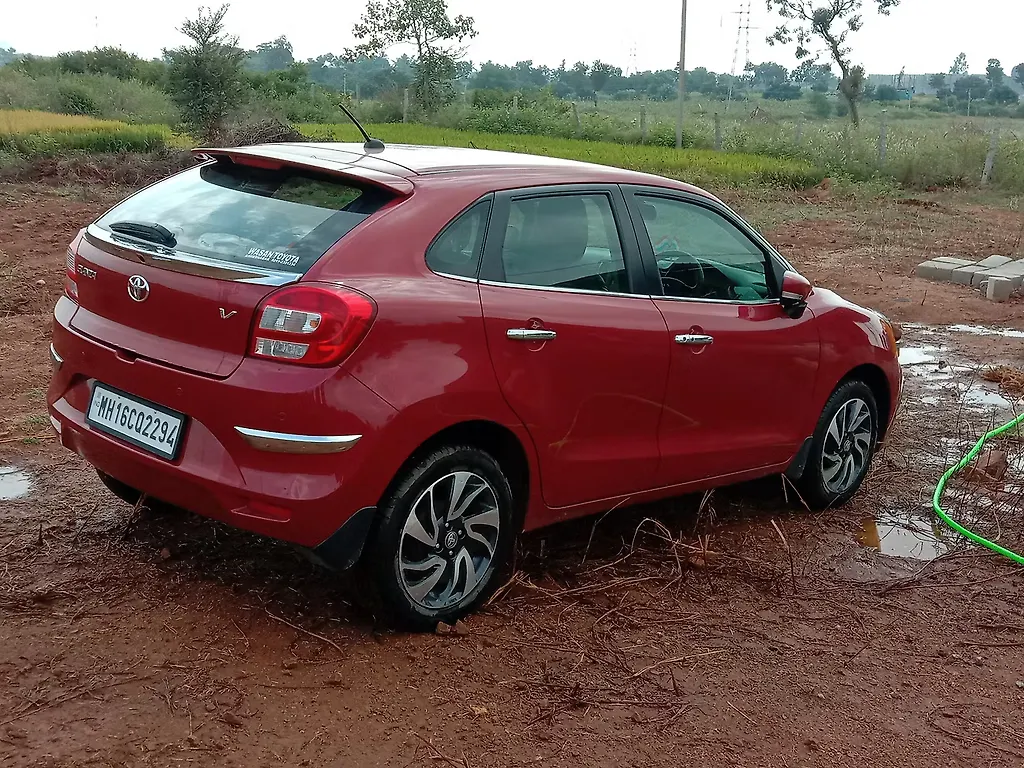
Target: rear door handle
point(694, 339)
point(529, 334)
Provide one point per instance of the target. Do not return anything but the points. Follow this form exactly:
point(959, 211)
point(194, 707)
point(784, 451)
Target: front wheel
point(444, 535)
point(842, 447)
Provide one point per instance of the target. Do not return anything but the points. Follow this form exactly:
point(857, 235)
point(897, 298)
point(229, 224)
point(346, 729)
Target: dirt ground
point(729, 630)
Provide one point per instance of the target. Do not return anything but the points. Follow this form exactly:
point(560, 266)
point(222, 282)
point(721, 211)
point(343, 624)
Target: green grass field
point(697, 166)
point(30, 133)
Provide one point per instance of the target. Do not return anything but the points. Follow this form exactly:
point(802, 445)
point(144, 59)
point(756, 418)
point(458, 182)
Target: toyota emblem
point(138, 288)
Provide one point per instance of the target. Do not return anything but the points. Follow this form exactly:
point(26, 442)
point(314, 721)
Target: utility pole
point(682, 79)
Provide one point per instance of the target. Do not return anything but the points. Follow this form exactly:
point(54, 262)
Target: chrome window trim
point(55, 358)
point(737, 302)
point(283, 442)
point(554, 289)
point(179, 261)
point(450, 276)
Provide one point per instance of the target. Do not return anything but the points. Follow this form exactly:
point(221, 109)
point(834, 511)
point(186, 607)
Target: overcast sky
point(922, 35)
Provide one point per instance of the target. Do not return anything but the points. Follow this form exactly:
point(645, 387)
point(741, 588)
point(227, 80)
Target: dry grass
point(33, 121)
point(1008, 377)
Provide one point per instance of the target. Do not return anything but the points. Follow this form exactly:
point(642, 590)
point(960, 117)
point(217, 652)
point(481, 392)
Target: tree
point(425, 24)
point(938, 82)
point(973, 87)
point(766, 75)
point(818, 77)
point(1017, 73)
point(959, 66)
point(275, 56)
point(205, 75)
point(601, 73)
point(832, 22)
point(994, 73)
point(887, 93)
point(820, 104)
point(7, 55)
point(1002, 94)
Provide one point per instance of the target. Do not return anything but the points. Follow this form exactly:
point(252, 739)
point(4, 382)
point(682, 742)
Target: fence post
point(576, 117)
point(883, 132)
point(515, 102)
point(718, 133)
point(990, 158)
point(405, 106)
point(798, 134)
point(643, 123)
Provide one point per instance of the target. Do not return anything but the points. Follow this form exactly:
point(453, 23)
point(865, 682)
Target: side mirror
point(795, 290)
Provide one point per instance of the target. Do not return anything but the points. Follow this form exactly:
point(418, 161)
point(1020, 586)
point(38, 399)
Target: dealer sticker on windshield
point(273, 257)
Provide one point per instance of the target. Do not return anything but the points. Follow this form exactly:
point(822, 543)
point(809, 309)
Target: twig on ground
point(675, 660)
point(437, 754)
point(71, 697)
point(741, 714)
point(306, 632)
point(596, 523)
point(789, 553)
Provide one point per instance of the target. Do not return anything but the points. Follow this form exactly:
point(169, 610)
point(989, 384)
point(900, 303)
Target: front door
point(741, 369)
point(580, 351)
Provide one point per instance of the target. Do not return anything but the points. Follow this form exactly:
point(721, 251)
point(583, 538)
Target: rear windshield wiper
point(151, 233)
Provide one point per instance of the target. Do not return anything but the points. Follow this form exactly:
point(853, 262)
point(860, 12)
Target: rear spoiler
point(277, 156)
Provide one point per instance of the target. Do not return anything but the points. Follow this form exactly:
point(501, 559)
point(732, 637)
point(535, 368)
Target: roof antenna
point(370, 143)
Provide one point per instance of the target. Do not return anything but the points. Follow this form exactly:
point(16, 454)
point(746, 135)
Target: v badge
point(224, 315)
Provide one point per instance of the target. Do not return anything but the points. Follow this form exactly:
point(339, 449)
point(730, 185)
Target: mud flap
point(796, 467)
point(343, 548)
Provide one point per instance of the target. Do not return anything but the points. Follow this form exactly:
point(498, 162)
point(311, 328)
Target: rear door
point(175, 272)
point(580, 351)
point(741, 370)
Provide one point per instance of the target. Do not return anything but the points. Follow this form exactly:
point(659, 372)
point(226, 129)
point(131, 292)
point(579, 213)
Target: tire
point(424, 572)
point(830, 483)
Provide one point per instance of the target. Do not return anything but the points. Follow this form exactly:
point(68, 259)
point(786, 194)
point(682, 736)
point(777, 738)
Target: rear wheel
point(444, 537)
point(842, 447)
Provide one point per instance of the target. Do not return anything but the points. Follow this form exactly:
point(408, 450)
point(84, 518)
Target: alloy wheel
point(847, 446)
point(449, 540)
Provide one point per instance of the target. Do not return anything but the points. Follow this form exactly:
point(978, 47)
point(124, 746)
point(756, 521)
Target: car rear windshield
point(282, 220)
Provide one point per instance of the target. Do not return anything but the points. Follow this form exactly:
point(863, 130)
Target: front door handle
point(694, 339)
point(530, 334)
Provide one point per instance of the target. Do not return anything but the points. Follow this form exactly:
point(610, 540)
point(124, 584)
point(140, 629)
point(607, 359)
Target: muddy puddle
point(14, 483)
point(917, 536)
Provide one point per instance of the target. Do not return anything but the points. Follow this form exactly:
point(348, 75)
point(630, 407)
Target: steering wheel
point(685, 269)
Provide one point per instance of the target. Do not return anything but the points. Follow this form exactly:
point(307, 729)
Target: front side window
point(564, 241)
point(457, 249)
point(701, 254)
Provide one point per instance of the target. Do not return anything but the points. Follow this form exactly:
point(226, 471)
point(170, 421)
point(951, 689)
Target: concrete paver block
point(953, 260)
point(998, 289)
point(994, 262)
point(935, 270)
point(1015, 277)
point(964, 275)
point(1013, 267)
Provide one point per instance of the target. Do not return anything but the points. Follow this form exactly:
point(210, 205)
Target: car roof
point(414, 163)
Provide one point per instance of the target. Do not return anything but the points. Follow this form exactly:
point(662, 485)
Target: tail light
point(70, 285)
point(311, 324)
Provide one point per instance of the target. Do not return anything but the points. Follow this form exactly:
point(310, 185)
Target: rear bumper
point(300, 466)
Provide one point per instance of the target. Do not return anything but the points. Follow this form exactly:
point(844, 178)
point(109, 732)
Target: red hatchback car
point(405, 356)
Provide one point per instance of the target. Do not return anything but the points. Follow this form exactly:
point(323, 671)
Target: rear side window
point(564, 241)
point(275, 219)
point(457, 249)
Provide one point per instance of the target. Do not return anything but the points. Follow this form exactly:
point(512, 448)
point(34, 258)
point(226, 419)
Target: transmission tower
point(742, 36)
point(631, 68)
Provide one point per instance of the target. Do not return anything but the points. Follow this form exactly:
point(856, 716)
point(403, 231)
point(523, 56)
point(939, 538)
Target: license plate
point(139, 422)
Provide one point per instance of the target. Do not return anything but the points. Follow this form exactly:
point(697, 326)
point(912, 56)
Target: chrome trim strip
point(179, 261)
point(717, 301)
point(282, 442)
point(497, 284)
point(55, 423)
point(56, 359)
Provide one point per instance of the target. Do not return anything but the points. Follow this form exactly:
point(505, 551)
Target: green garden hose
point(937, 497)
